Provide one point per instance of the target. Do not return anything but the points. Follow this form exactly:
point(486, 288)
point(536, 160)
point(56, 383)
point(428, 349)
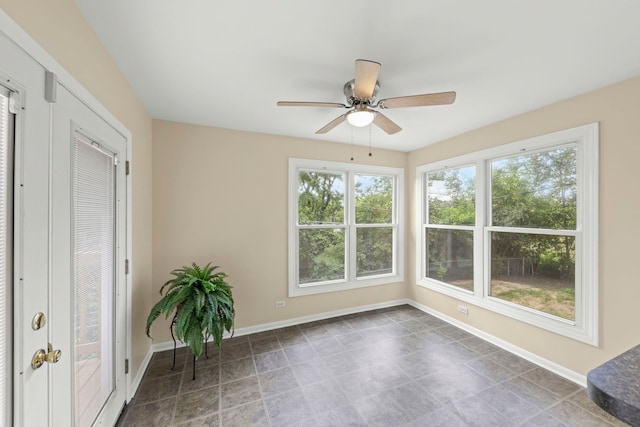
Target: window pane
point(321, 255)
point(451, 196)
point(320, 198)
point(535, 190)
point(374, 199)
point(450, 256)
point(6, 142)
point(534, 270)
point(93, 279)
point(374, 251)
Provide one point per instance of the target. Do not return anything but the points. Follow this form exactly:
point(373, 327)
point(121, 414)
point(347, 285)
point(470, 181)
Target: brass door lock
point(38, 322)
point(50, 356)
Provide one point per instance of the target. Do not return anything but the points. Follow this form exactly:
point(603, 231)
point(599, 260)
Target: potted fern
point(202, 304)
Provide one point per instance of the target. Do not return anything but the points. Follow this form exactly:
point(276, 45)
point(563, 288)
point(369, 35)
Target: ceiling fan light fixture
point(360, 118)
point(361, 94)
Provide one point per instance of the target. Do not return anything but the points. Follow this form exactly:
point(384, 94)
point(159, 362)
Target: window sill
point(296, 290)
point(557, 325)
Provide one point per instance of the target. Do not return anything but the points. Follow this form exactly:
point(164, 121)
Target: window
point(514, 229)
point(344, 227)
point(532, 232)
point(450, 224)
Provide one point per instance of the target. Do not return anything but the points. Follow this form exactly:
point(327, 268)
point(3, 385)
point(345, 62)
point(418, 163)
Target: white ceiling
point(226, 63)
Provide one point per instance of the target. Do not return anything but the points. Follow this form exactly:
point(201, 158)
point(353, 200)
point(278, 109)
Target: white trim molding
point(135, 381)
point(572, 376)
point(168, 345)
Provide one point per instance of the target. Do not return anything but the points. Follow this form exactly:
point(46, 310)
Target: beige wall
point(60, 29)
point(221, 196)
point(617, 108)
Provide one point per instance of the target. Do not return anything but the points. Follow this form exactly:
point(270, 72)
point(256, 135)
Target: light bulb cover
point(360, 118)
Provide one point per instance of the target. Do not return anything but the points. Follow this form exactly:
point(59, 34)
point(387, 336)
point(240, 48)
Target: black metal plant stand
point(206, 347)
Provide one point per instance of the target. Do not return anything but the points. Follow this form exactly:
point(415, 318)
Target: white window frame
point(297, 165)
point(586, 140)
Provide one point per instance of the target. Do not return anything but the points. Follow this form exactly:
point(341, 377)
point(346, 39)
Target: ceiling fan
point(361, 101)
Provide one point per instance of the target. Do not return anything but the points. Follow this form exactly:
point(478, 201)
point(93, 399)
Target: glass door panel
point(93, 278)
point(6, 249)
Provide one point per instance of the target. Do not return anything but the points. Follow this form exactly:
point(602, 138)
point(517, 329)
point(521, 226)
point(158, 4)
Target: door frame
point(24, 41)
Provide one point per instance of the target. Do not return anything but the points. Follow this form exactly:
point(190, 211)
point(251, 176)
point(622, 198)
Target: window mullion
point(480, 257)
point(452, 227)
point(527, 230)
point(350, 252)
point(395, 218)
point(382, 225)
point(320, 226)
point(424, 224)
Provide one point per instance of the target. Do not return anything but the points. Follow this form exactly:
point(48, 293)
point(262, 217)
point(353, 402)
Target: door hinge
point(126, 366)
point(50, 86)
point(126, 266)
point(14, 103)
point(127, 167)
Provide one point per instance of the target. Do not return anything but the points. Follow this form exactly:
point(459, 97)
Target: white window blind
point(6, 139)
point(93, 248)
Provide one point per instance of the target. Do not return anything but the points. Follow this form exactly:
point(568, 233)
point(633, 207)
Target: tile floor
point(390, 367)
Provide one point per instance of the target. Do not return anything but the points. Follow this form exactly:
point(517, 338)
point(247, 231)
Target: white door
point(68, 255)
point(23, 77)
point(88, 262)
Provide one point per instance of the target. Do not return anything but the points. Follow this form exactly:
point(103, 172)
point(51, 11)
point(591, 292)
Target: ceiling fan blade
point(442, 98)
point(385, 123)
point(335, 122)
point(366, 78)
point(310, 104)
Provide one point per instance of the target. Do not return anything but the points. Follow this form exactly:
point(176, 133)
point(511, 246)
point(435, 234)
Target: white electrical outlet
point(280, 304)
point(464, 310)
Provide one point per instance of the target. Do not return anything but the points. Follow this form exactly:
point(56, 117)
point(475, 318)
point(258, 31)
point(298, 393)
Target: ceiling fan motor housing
point(352, 99)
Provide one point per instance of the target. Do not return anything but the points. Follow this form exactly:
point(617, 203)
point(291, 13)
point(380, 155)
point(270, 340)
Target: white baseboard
point(570, 375)
point(168, 345)
point(135, 382)
point(315, 317)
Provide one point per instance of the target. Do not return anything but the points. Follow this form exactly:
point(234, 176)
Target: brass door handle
point(50, 356)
